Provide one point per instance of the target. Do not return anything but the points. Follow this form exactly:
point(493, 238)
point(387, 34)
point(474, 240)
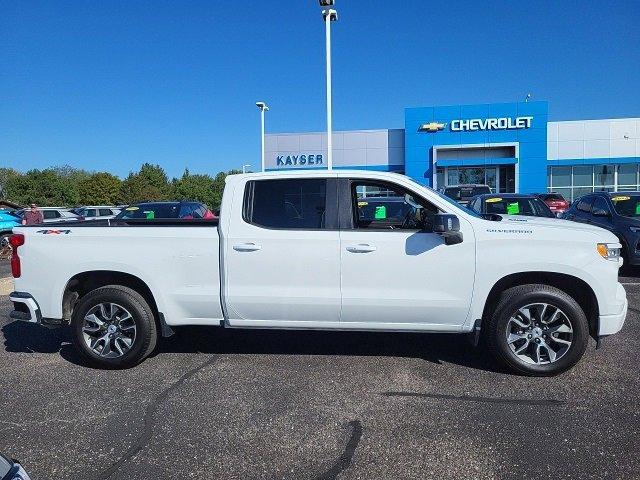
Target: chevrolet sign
point(432, 127)
point(503, 123)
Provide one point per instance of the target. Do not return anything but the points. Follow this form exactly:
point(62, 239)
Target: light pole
point(263, 108)
point(244, 167)
point(329, 15)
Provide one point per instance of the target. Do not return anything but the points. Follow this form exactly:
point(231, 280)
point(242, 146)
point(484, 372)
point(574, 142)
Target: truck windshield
point(627, 205)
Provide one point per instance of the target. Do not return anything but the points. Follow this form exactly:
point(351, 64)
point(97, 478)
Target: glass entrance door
point(479, 175)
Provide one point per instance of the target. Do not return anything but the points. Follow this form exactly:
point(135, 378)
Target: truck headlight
point(608, 251)
point(634, 229)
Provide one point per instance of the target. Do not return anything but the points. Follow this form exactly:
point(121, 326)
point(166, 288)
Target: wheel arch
point(84, 282)
point(574, 286)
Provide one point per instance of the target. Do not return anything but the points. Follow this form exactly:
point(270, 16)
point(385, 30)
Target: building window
point(574, 181)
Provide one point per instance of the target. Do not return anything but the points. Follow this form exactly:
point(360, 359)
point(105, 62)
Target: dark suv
point(618, 212)
point(463, 193)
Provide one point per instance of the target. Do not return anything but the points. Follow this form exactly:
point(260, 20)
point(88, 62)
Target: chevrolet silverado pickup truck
point(305, 250)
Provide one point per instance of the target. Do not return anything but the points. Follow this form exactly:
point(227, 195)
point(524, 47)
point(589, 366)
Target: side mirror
point(599, 212)
point(448, 226)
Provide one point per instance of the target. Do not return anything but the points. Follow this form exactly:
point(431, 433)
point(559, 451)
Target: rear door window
point(584, 204)
point(50, 214)
point(105, 212)
point(286, 204)
point(600, 204)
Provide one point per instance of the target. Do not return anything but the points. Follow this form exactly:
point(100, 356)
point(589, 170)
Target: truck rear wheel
point(537, 330)
point(114, 327)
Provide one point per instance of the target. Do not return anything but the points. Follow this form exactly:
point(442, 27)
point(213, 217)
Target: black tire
point(495, 329)
point(145, 323)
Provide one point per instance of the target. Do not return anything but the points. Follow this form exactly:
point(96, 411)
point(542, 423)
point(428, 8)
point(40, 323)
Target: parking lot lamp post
point(263, 108)
point(244, 167)
point(329, 15)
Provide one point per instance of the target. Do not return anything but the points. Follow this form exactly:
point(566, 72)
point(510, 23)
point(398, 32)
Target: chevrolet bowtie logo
point(432, 127)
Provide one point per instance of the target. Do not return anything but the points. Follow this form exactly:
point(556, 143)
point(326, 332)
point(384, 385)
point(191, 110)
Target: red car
point(554, 201)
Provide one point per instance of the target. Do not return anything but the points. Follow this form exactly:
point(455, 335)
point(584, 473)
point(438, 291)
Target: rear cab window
point(291, 204)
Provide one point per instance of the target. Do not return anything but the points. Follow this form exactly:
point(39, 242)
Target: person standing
point(32, 216)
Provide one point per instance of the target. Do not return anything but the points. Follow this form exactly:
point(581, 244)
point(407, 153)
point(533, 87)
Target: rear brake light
point(16, 240)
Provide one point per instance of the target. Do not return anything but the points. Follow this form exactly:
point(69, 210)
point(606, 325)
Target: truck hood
point(557, 223)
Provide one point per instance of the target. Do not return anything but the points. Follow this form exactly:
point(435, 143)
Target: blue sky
point(107, 85)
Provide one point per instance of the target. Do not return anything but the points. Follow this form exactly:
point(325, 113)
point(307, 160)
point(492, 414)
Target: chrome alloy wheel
point(539, 333)
point(109, 330)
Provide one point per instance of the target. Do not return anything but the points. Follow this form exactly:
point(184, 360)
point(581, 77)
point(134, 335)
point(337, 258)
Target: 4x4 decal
point(54, 232)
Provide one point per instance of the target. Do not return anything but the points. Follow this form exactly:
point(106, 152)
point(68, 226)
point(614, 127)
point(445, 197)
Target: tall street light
point(329, 15)
point(263, 108)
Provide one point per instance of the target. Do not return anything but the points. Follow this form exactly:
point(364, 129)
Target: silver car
point(54, 214)
point(96, 212)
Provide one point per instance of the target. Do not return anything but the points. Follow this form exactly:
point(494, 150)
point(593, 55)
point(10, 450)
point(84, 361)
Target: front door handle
point(361, 248)
point(247, 247)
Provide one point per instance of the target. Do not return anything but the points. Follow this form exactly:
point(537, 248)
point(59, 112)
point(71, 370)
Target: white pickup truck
point(342, 250)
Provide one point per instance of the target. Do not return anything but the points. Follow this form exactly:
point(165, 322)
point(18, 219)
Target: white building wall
point(593, 139)
point(356, 148)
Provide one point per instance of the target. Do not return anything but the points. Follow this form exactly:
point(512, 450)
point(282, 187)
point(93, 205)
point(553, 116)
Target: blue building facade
point(497, 144)
point(512, 147)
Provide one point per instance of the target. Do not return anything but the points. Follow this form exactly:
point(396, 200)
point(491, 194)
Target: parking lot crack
point(149, 420)
point(344, 461)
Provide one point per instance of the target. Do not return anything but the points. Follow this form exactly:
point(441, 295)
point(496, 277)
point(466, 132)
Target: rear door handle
point(361, 248)
point(247, 247)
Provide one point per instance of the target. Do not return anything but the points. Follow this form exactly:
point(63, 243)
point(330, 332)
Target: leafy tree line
point(67, 186)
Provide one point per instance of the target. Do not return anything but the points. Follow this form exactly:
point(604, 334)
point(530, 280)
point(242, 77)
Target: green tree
point(5, 175)
point(43, 187)
point(99, 189)
point(194, 187)
point(150, 183)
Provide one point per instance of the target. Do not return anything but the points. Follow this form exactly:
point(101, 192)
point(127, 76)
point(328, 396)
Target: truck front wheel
point(114, 327)
point(537, 330)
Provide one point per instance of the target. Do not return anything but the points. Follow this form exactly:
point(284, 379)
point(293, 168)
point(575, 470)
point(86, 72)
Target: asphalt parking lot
point(263, 405)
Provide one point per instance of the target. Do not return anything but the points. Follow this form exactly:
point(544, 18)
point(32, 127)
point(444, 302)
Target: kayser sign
point(501, 123)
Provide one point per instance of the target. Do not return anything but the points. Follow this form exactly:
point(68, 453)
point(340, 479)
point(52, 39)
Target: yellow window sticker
point(620, 198)
point(132, 209)
point(493, 200)
point(362, 204)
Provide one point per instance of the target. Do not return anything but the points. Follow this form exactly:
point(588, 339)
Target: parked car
point(618, 212)
point(166, 210)
point(8, 220)
point(96, 212)
point(554, 201)
point(54, 214)
point(291, 252)
point(511, 204)
point(463, 193)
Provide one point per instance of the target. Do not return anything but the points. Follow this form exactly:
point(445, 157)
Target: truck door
point(394, 271)
point(282, 264)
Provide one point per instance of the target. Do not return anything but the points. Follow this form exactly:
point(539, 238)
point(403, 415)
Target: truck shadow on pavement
point(437, 349)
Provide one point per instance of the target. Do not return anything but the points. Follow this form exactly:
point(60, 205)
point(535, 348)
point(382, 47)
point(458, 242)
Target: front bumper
point(612, 323)
point(25, 308)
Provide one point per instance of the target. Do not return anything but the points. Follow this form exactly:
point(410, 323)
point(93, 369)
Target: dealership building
point(512, 147)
